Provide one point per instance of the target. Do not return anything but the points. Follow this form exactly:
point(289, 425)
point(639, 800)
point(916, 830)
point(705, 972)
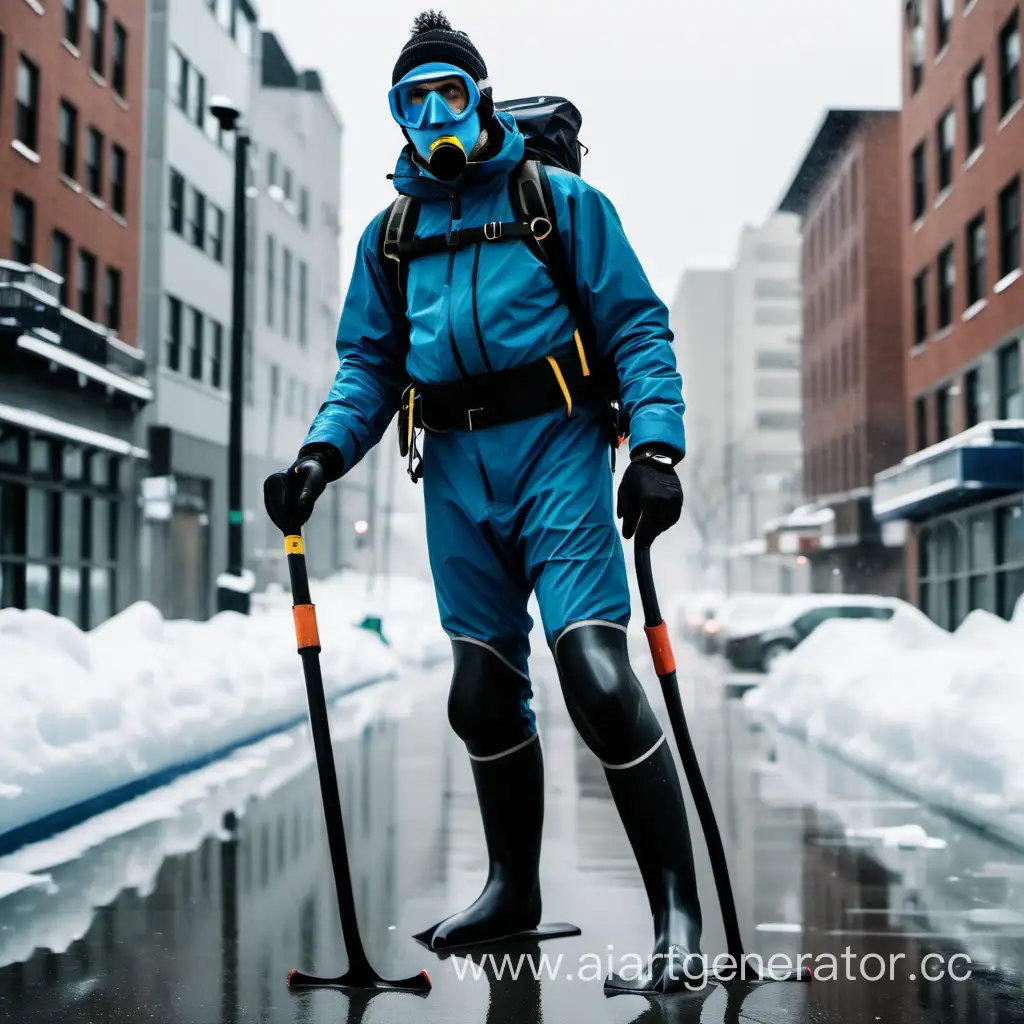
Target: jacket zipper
point(476, 309)
point(455, 213)
point(451, 328)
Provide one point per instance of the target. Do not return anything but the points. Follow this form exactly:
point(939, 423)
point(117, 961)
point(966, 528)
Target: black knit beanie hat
point(434, 39)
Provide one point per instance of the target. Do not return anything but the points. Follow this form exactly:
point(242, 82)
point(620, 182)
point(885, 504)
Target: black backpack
point(550, 126)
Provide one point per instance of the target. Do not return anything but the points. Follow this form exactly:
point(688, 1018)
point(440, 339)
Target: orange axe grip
point(661, 648)
point(306, 632)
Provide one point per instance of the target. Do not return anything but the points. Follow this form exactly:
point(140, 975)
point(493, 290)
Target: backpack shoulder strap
point(397, 230)
point(532, 200)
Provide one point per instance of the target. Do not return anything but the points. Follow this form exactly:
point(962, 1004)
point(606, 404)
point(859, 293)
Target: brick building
point(962, 154)
point(72, 380)
point(845, 190)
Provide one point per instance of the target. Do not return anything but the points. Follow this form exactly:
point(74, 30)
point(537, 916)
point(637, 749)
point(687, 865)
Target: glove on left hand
point(650, 500)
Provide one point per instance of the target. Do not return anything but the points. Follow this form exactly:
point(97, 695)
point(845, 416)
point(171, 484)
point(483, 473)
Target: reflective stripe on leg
point(501, 657)
point(636, 760)
point(585, 622)
point(511, 750)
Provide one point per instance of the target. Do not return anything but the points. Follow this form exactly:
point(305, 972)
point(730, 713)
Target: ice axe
point(665, 667)
point(360, 974)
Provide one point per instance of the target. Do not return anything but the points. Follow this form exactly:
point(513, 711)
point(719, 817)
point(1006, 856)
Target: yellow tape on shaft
point(293, 546)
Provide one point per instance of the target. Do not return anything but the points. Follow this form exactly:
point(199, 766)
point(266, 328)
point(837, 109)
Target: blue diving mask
point(443, 123)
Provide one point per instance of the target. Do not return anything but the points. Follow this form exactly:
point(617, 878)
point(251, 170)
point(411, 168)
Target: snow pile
point(934, 711)
point(88, 712)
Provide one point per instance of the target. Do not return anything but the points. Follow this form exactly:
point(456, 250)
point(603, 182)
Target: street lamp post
point(234, 587)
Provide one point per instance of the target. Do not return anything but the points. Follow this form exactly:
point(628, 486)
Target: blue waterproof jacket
point(495, 306)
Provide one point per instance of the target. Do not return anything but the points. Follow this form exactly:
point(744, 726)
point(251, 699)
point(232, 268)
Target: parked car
point(759, 648)
point(739, 615)
point(696, 612)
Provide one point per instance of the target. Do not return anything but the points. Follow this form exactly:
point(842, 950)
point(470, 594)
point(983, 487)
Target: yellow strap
point(293, 545)
point(412, 398)
point(583, 355)
point(561, 382)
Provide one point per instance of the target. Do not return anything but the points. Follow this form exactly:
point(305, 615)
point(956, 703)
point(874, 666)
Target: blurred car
point(696, 612)
point(758, 648)
point(740, 615)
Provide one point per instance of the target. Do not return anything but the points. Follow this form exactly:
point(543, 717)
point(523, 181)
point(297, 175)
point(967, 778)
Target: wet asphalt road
point(168, 928)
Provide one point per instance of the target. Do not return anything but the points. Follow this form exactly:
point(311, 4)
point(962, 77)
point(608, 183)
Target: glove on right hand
point(290, 494)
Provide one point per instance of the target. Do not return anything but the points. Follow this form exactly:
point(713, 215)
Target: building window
point(304, 207)
point(195, 368)
point(97, 17)
point(180, 79)
point(198, 110)
point(972, 398)
point(1011, 399)
point(921, 307)
point(68, 130)
point(243, 30)
point(286, 301)
point(86, 284)
point(919, 181)
point(773, 420)
point(1009, 64)
point(943, 21)
point(60, 262)
point(119, 60)
point(271, 168)
point(216, 232)
point(118, 179)
point(946, 142)
point(271, 255)
point(946, 279)
point(94, 162)
point(943, 413)
point(26, 113)
point(1009, 228)
point(112, 299)
point(920, 422)
point(916, 45)
point(72, 21)
point(303, 301)
point(198, 220)
point(216, 354)
point(975, 106)
point(176, 195)
point(769, 359)
point(174, 328)
point(286, 185)
point(23, 230)
point(977, 242)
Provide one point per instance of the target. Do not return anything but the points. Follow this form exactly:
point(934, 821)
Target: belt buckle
point(469, 417)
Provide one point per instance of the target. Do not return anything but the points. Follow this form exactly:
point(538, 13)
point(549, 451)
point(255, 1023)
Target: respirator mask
point(437, 105)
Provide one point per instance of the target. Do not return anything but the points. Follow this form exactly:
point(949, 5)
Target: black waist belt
point(507, 396)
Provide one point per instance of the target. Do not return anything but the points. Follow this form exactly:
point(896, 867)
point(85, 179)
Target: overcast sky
point(696, 112)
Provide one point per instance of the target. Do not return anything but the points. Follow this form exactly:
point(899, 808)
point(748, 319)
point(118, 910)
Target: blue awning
point(981, 463)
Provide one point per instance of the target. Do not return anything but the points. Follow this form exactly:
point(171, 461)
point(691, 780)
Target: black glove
point(650, 495)
point(290, 494)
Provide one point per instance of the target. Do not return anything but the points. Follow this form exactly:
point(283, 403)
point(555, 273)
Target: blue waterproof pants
point(520, 508)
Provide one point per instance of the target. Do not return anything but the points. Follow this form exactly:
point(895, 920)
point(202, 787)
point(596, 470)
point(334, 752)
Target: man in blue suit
point(518, 503)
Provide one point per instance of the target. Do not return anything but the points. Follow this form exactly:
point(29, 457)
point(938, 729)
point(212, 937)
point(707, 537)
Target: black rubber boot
point(510, 789)
point(650, 803)
point(611, 712)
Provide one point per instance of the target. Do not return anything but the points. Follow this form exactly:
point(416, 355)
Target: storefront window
point(1009, 587)
point(37, 587)
point(40, 523)
point(1010, 535)
point(40, 462)
point(71, 527)
point(69, 603)
point(58, 521)
point(982, 546)
point(982, 593)
point(100, 596)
